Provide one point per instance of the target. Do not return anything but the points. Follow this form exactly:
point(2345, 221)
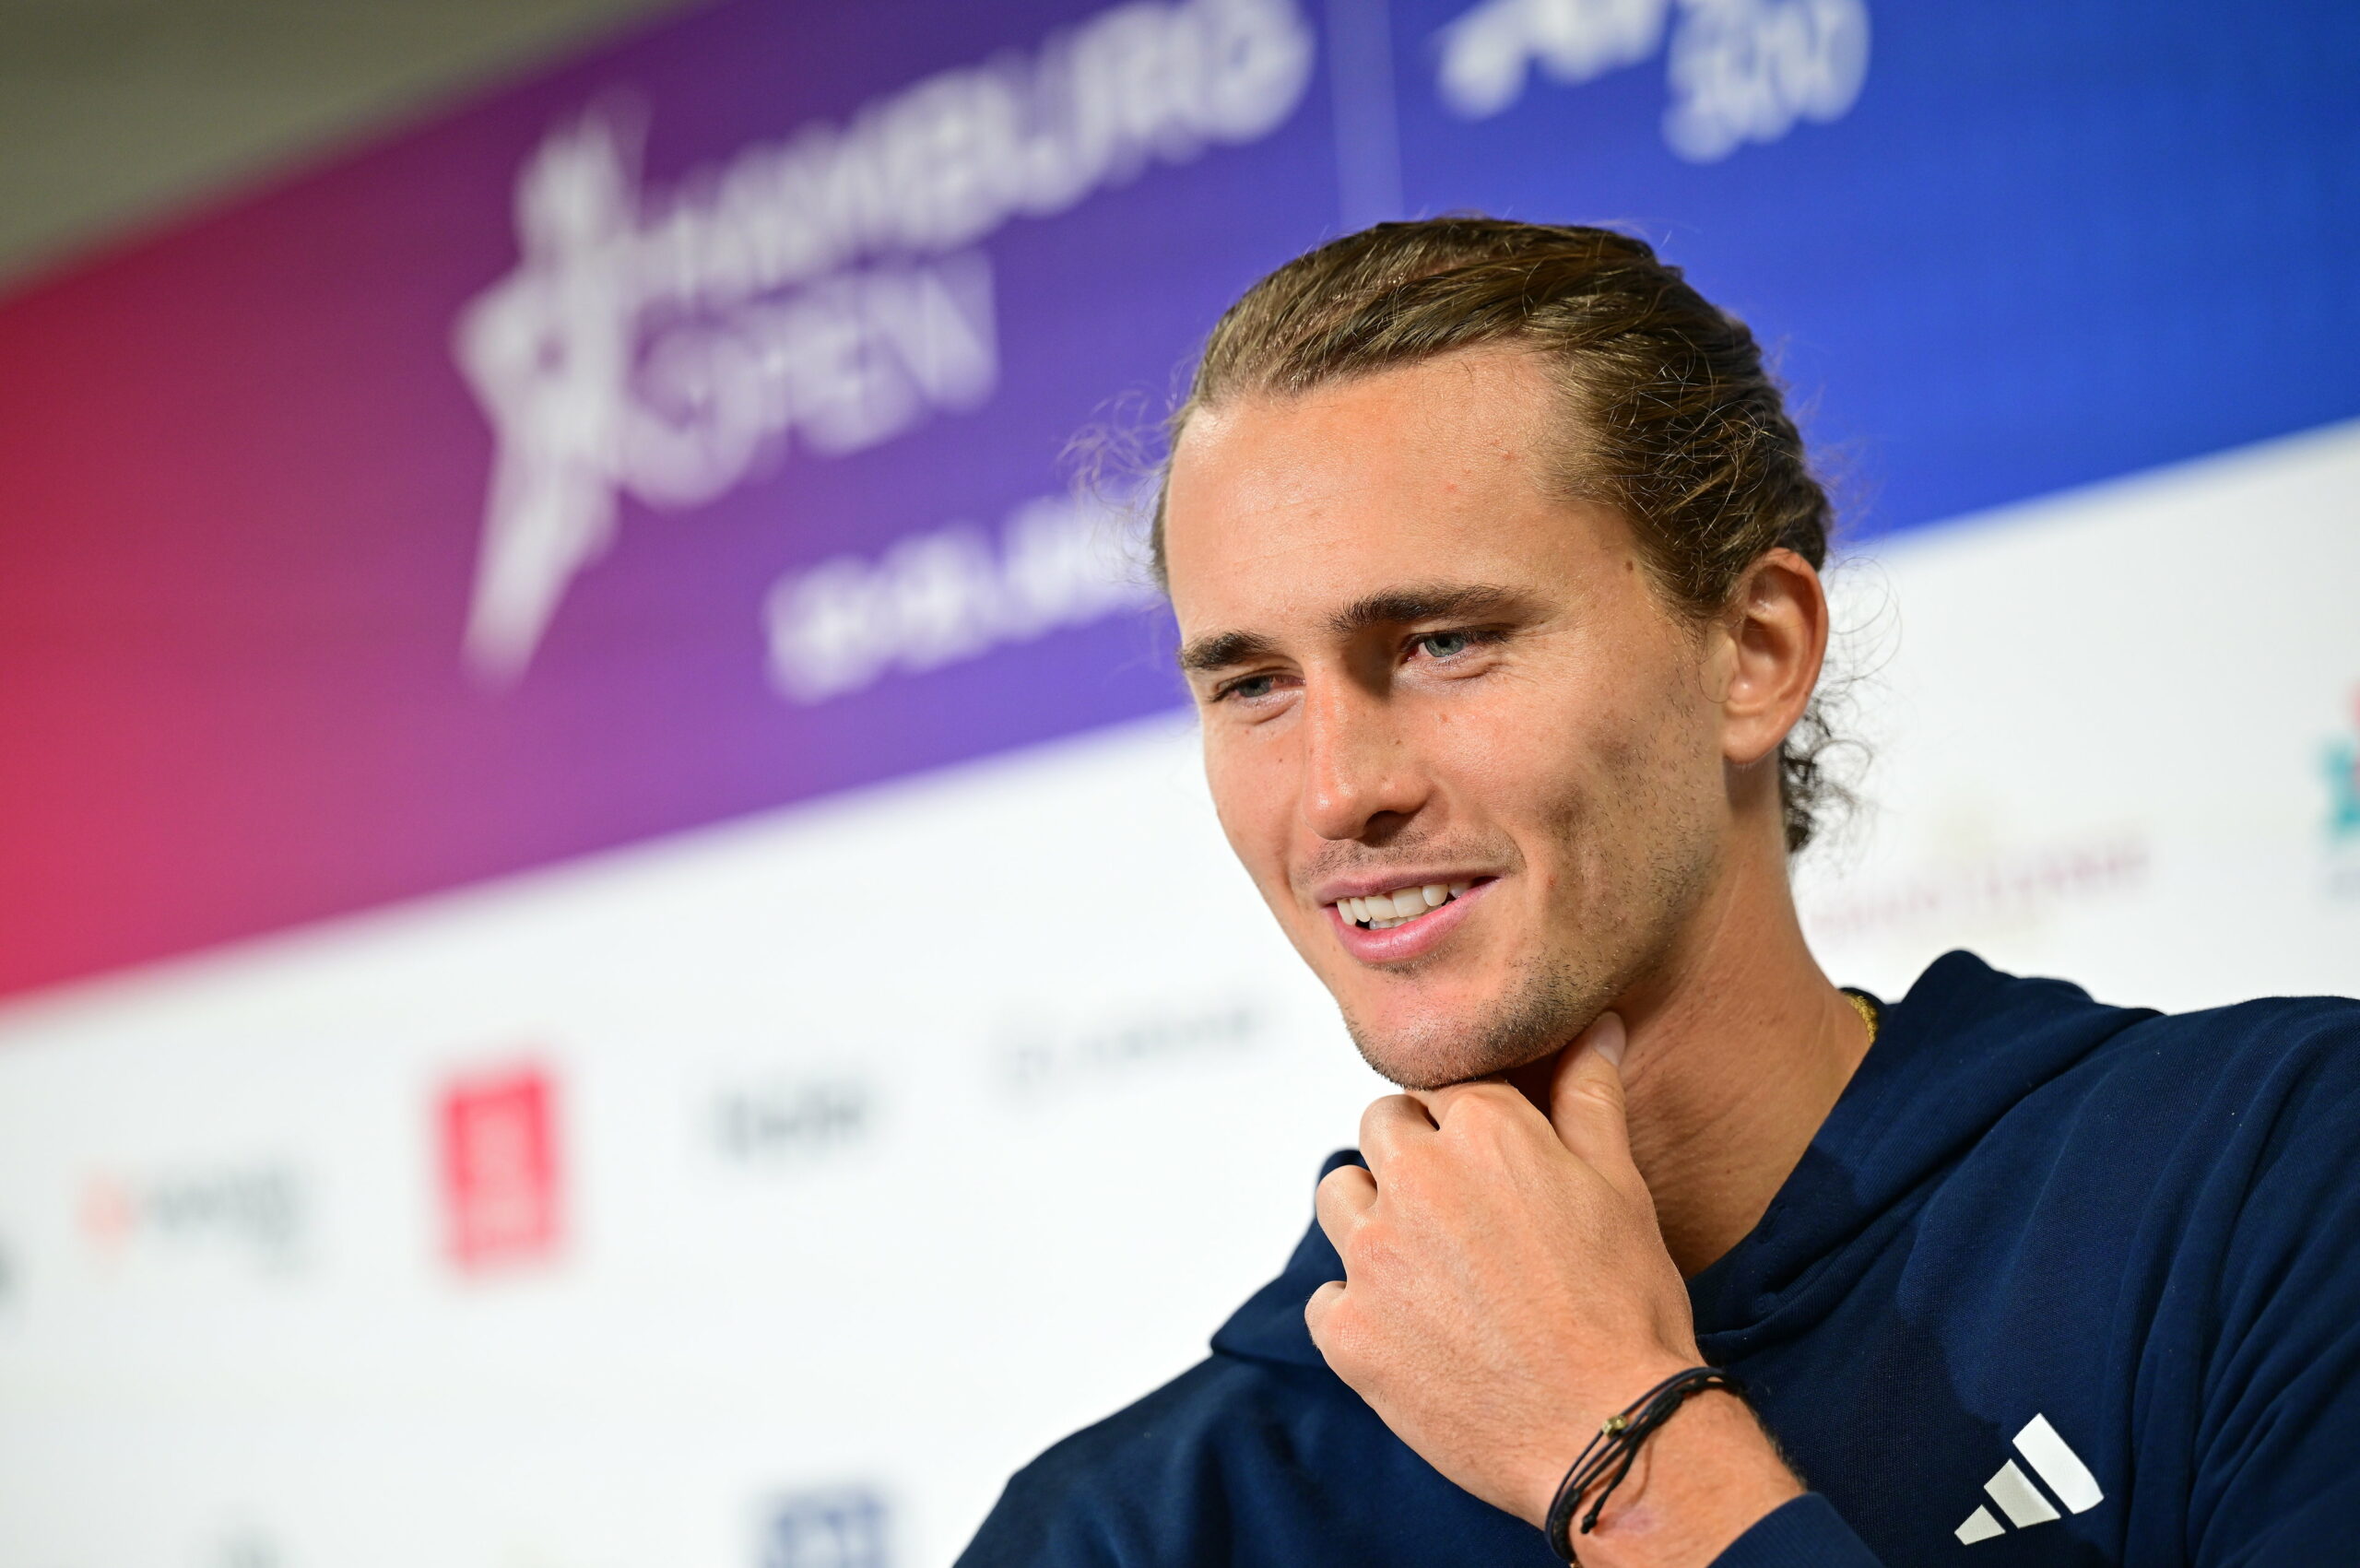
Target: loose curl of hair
point(1679, 426)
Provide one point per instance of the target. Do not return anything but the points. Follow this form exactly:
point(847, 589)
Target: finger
point(1585, 1097)
point(1342, 1201)
point(1316, 1311)
point(1441, 1104)
point(1434, 1101)
point(1388, 1125)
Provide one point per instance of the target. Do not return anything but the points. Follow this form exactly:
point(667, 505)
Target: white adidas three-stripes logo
point(2060, 1468)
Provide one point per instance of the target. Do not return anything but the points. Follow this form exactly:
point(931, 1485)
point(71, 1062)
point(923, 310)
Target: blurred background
point(611, 951)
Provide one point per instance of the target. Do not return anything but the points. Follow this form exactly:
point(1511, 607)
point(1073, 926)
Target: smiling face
point(1472, 760)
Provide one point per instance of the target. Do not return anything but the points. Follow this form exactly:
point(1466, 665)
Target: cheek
point(1254, 799)
point(1655, 781)
point(1649, 708)
point(1529, 747)
point(1579, 762)
point(1500, 763)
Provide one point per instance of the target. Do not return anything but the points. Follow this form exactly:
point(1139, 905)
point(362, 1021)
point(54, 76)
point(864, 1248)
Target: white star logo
point(549, 352)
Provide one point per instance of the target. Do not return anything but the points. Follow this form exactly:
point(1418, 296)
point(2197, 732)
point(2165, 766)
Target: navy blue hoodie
point(2056, 1283)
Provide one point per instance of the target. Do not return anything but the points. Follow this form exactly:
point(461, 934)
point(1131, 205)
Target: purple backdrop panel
point(671, 438)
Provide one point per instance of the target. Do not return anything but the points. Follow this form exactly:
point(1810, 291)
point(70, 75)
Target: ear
point(1777, 628)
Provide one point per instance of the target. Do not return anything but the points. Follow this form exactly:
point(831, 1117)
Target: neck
point(1738, 1046)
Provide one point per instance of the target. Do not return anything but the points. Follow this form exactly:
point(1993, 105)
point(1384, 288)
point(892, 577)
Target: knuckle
point(1319, 1312)
point(1407, 1170)
point(1486, 1107)
point(1326, 1309)
point(1375, 1251)
point(1481, 1123)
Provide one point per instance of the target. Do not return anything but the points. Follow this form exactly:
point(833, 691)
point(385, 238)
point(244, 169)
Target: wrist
point(1698, 1483)
point(1553, 1452)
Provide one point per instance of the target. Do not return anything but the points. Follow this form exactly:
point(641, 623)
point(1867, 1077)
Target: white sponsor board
point(2098, 724)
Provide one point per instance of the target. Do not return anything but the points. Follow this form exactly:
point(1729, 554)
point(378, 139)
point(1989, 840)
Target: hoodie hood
point(1270, 1327)
point(1967, 1046)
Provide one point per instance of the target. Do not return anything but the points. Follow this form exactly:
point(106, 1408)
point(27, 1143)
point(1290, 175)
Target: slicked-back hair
point(1670, 417)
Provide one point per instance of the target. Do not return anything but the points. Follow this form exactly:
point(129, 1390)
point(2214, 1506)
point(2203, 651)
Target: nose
point(1359, 778)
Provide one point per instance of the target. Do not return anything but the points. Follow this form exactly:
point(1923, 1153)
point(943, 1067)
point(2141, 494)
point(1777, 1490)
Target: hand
point(1506, 1289)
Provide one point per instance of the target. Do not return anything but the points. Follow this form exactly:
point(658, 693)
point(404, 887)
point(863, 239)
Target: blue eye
point(1252, 687)
point(1445, 645)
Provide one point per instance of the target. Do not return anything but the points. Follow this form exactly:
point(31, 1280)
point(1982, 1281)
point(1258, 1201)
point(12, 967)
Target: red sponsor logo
point(108, 1213)
point(500, 1168)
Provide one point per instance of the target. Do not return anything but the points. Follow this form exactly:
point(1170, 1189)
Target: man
point(1496, 564)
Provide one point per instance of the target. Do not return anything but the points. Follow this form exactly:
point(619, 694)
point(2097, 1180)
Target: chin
point(1436, 1054)
point(1440, 1042)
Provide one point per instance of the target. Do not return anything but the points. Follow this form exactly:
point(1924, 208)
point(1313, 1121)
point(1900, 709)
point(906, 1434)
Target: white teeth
point(1382, 911)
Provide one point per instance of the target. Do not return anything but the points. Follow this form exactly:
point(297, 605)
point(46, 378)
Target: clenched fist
point(1506, 1289)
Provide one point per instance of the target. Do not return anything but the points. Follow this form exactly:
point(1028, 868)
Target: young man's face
point(1422, 669)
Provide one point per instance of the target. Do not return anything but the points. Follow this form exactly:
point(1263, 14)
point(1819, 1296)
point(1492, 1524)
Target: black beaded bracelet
point(1616, 1449)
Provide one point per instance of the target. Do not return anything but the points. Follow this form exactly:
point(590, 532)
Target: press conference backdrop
point(614, 951)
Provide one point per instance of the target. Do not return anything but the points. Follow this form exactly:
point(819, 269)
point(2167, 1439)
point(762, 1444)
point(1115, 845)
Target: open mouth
point(1382, 911)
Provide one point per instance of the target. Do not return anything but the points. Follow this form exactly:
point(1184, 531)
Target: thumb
point(1585, 1096)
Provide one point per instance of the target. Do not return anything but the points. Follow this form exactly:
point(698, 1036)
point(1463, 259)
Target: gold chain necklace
point(1868, 1011)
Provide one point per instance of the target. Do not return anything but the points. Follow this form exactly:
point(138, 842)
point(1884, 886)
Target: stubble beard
point(1627, 931)
point(1548, 1006)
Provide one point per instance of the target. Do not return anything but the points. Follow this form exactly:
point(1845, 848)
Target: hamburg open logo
point(657, 344)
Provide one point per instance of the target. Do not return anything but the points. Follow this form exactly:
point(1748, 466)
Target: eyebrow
point(1426, 601)
point(1222, 650)
point(1393, 606)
